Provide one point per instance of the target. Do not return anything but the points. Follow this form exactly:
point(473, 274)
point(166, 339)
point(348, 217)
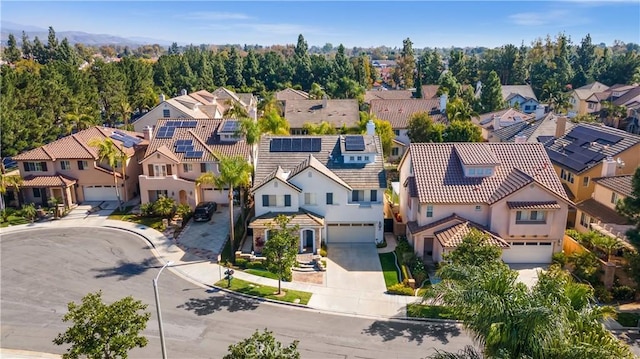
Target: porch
point(309, 231)
point(45, 190)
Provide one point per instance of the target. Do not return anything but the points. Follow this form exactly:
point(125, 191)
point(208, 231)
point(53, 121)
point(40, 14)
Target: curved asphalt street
point(43, 270)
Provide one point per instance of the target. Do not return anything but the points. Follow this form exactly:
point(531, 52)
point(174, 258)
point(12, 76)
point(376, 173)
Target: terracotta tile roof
point(601, 212)
point(337, 112)
point(451, 237)
point(398, 112)
point(76, 146)
point(533, 205)
point(356, 175)
point(47, 181)
point(619, 184)
point(291, 94)
point(204, 137)
point(430, 91)
point(440, 177)
point(475, 154)
point(387, 95)
point(301, 218)
point(414, 228)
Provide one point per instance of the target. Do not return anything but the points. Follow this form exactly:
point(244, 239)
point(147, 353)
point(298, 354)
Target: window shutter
point(150, 170)
point(329, 198)
point(265, 200)
point(203, 167)
point(44, 166)
point(287, 200)
point(374, 195)
point(168, 169)
point(26, 167)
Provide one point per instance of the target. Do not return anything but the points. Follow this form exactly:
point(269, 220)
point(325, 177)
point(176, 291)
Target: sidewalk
point(205, 272)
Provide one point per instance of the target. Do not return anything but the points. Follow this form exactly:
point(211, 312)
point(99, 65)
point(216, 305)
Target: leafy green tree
point(405, 65)
point(250, 70)
point(281, 248)
point(584, 62)
point(423, 129)
point(9, 181)
point(262, 346)
point(164, 207)
point(432, 67)
point(302, 64)
point(341, 65)
point(316, 92)
point(383, 130)
point(29, 211)
point(250, 130)
point(491, 96)
point(272, 123)
point(458, 66)
point(448, 85)
point(52, 46)
point(27, 47)
point(459, 109)
point(103, 331)
point(11, 53)
point(234, 69)
point(110, 154)
point(607, 244)
point(462, 131)
point(322, 128)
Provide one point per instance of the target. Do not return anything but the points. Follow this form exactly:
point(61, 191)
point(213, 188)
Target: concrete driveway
point(355, 267)
point(207, 239)
point(528, 272)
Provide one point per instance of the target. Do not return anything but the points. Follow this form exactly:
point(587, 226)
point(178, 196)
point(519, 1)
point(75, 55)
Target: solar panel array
point(579, 153)
point(169, 128)
point(193, 154)
point(585, 134)
point(184, 143)
point(184, 148)
point(127, 141)
point(310, 144)
point(354, 143)
point(230, 126)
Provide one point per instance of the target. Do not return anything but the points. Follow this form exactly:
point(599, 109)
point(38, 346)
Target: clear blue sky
point(354, 23)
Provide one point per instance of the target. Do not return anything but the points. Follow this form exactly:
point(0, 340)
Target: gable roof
point(453, 236)
point(629, 97)
point(204, 137)
point(291, 94)
point(430, 91)
point(619, 184)
point(507, 117)
point(586, 145)
point(398, 112)
point(440, 177)
point(337, 112)
point(586, 91)
point(601, 212)
point(523, 90)
point(387, 95)
point(328, 159)
point(76, 146)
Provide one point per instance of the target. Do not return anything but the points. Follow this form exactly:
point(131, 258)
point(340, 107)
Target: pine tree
point(491, 96)
point(11, 53)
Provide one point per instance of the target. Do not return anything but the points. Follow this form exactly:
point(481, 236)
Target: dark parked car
point(204, 211)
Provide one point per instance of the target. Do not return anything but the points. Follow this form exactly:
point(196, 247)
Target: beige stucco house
point(180, 151)
point(578, 98)
point(69, 169)
point(509, 191)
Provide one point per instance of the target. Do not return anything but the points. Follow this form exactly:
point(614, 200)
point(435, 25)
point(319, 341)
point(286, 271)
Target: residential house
point(69, 169)
point(491, 122)
point(599, 212)
point(430, 91)
point(398, 112)
point(180, 151)
point(541, 130)
point(196, 105)
point(509, 191)
point(520, 97)
point(339, 113)
point(581, 154)
point(291, 94)
point(578, 98)
point(332, 186)
point(384, 94)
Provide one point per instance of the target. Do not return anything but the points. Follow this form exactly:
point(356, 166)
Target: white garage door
point(351, 233)
point(528, 252)
point(100, 193)
point(214, 195)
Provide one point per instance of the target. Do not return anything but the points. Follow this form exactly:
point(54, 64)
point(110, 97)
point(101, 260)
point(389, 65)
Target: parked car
point(204, 211)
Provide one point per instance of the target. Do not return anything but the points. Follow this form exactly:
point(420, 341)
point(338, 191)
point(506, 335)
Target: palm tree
point(608, 244)
point(235, 110)
point(271, 122)
point(235, 171)
point(109, 153)
point(460, 110)
point(6, 182)
point(250, 130)
point(206, 179)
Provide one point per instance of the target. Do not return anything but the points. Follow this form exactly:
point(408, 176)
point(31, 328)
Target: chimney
point(148, 133)
point(162, 98)
point(324, 101)
point(496, 122)
point(561, 126)
point(520, 138)
point(539, 112)
point(183, 92)
point(371, 128)
point(609, 167)
point(443, 103)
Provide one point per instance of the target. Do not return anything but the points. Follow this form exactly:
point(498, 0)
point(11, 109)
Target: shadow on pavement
point(126, 270)
point(218, 302)
point(413, 331)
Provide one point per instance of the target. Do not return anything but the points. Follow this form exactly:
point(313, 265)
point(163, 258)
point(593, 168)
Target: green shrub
point(405, 272)
point(184, 211)
point(146, 209)
point(418, 271)
point(382, 244)
point(400, 289)
point(603, 294)
point(586, 266)
point(559, 258)
point(255, 265)
point(402, 247)
point(241, 263)
point(623, 292)
point(323, 249)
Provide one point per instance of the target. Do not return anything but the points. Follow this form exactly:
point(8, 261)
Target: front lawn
point(262, 273)
point(389, 270)
point(124, 215)
point(628, 319)
point(429, 311)
point(238, 285)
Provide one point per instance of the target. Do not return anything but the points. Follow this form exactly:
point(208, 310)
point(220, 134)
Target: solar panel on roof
point(172, 123)
point(296, 144)
point(316, 144)
point(566, 161)
point(165, 132)
point(193, 154)
point(275, 145)
point(286, 145)
point(230, 126)
point(184, 142)
point(188, 124)
point(354, 143)
point(184, 148)
point(592, 135)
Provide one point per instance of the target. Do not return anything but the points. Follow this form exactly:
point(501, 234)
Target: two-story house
point(332, 186)
point(180, 151)
point(509, 191)
point(578, 98)
point(399, 111)
point(580, 154)
point(339, 113)
point(521, 97)
point(599, 212)
point(69, 169)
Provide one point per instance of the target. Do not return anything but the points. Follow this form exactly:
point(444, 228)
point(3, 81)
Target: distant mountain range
point(7, 27)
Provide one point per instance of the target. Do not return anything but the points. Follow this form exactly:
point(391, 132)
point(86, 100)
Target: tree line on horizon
point(52, 89)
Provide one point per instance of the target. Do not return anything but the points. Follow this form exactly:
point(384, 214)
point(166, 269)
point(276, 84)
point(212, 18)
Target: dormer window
point(478, 172)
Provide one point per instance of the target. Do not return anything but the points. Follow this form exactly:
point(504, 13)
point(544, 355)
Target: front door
point(308, 240)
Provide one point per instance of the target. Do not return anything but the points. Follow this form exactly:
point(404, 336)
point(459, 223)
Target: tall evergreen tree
point(11, 53)
point(302, 74)
point(27, 47)
point(491, 96)
point(406, 65)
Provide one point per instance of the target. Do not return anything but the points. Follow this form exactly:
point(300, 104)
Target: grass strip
point(389, 270)
point(240, 286)
point(429, 311)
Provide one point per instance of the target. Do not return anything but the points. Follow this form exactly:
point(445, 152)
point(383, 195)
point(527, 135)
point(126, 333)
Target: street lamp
point(155, 291)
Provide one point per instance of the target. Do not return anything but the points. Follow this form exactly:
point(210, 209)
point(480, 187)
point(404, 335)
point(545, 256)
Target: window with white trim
point(429, 210)
point(357, 195)
point(65, 165)
point(531, 217)
point(614, 197)
point(159, 170)
point(585, 181)
point(83, 165)
point(187, 167)
point(309, 198)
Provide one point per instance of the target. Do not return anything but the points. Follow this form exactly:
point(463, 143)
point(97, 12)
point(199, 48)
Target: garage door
point(528, 252)
point(100, 193)
point(351, 233)
point(215, 195)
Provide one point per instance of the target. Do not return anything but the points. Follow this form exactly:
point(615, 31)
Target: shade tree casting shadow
point(413, 331)
point(126, 270)
point(217, 302)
